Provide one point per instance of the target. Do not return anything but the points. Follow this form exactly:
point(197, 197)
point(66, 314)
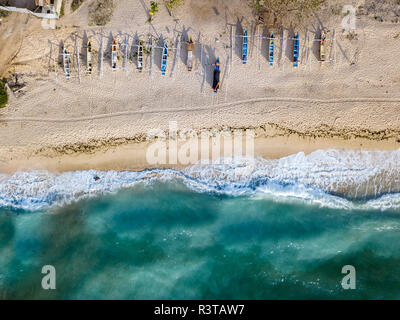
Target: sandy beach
point(101, 121)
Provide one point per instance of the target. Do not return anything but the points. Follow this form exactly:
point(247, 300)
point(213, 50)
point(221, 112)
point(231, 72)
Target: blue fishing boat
point(244, 48)
point(164, 59)
point(216, 76)
point(271, 49)
point(296, 50)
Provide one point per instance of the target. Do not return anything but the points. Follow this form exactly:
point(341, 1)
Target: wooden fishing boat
point(114, 55)
point(140, 56)
point(244, 47)
point(296, 50)
point(190, 48)
point(271, 49)
point(322, 46)
point(89, 57)
point(67, 64)
point(164, 59)
point(217, 72)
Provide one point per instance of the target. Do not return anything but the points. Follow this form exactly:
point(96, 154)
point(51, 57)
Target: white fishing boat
point(89, 57)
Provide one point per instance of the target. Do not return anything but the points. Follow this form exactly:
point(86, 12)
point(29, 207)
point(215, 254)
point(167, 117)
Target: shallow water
point(216, 232)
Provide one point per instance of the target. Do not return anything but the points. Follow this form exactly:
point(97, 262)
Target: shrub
point(173, 4)
point(3, 94)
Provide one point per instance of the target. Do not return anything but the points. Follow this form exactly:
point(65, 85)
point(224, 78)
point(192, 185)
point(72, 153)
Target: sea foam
point(346, 179)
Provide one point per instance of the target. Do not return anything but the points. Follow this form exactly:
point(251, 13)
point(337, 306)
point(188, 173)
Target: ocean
point(237, 229)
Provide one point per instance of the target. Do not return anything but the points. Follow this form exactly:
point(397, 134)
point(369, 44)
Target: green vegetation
point(276, 12)
point(173, 4)
point(154, 7)
point(3, 93)
point(75, 4)
point(100, 12)
point(4, 14)
point(62, 9)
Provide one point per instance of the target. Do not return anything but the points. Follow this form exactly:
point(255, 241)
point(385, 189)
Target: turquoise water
point(270, 230)
point(164, 241)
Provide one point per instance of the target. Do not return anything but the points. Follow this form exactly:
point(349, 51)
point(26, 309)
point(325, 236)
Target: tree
point(277, 11)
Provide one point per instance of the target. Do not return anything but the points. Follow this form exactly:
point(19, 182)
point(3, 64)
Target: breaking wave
point(333, 178)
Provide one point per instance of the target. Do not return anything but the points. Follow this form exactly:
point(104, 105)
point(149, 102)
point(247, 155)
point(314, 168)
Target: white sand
point(325, 105)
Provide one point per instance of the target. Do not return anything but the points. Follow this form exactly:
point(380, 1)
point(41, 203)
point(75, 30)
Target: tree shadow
point(99, 57)
point(146, 9)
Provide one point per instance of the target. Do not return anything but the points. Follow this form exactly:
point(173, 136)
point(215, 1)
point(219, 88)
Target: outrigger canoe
point(189, 47)
point(322, 46)
point(89, 57)
point(271, 49)
point(164, 59)
point(296, 50)
point(217, 71)
point(244, 47)
point(140, 56)
point(67, 64)
point(114, 55)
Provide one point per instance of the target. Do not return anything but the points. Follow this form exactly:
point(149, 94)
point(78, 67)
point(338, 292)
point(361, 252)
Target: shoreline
point(132, 156)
